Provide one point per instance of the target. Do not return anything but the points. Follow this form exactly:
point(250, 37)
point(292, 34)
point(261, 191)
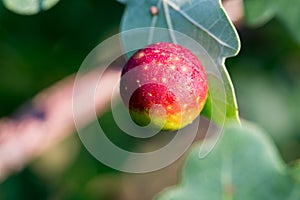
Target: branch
point(46, 120)
point(235, 10)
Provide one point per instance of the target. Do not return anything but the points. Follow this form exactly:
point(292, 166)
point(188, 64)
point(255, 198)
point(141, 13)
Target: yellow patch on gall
point(139, 55)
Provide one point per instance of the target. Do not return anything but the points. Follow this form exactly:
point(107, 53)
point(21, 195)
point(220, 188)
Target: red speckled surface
point(165, 74)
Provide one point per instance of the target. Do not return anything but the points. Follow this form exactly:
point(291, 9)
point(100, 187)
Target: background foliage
point(38, 50)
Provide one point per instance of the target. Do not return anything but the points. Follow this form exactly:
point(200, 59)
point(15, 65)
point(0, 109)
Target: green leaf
point(295, 170)
point(243, 165)
point(29, 7)
point(205, 22)
point(258, 12)
point(122, 1)
point(288, 13)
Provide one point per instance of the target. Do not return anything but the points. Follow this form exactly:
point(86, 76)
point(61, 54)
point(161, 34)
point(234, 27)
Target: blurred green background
point(36, 51)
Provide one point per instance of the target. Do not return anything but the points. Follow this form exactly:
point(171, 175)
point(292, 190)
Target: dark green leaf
point(243, 165)
point(288, 13)
point(122, 1)
point(29, 7)
point(206, 23)
point(258, 12)
point(295, 170)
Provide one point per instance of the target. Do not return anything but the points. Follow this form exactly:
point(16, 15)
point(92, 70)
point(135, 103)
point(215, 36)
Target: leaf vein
point(177, 8)
point(153, 24)
point(169, 22)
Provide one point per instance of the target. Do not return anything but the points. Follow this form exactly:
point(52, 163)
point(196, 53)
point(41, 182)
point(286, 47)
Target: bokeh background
point(39, 50)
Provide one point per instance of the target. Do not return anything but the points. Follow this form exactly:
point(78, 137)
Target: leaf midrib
point(191, 20)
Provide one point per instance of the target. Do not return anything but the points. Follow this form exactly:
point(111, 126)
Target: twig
point(47, 120)
point(235, 10)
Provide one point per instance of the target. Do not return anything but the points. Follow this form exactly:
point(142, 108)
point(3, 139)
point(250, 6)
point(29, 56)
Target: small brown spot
point(153, 10)
point(229, 189)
